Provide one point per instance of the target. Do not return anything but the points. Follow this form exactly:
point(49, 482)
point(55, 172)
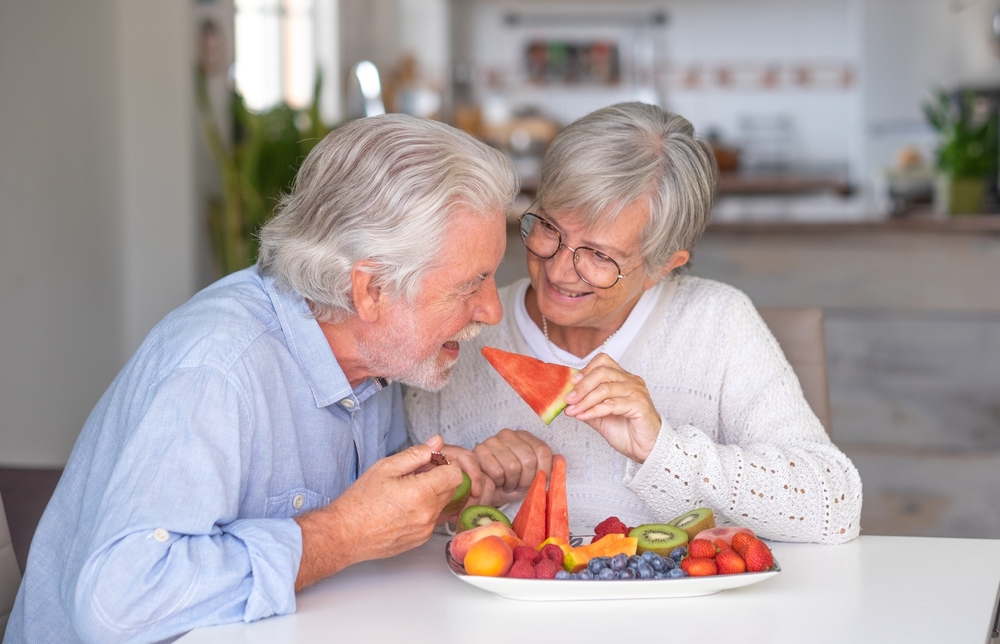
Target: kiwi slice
point(658, 537)
point(694, 521)
point(461, 496)
point(480, 515)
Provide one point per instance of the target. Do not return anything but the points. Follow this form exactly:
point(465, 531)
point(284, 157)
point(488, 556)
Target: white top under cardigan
point(738, 436)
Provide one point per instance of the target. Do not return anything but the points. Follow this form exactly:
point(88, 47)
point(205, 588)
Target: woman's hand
point(616, 404)
point(511, 459)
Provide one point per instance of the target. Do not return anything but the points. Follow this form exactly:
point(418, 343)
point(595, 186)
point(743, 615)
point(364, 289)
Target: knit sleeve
point(421, 409)
point(771, 466)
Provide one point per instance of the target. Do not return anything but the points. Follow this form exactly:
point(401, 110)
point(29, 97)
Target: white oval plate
point(580, 589)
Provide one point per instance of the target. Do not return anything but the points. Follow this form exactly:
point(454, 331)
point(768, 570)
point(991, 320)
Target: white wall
point(96, 210)
point(912, 46)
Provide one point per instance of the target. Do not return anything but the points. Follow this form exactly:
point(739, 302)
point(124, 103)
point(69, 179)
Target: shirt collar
point(310, 348)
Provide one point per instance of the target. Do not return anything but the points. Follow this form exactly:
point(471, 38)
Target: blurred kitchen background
point(117, 117)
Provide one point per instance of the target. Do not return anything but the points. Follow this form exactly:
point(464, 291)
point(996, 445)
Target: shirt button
point(347, 403)
point(298, 501)
point(161, 535)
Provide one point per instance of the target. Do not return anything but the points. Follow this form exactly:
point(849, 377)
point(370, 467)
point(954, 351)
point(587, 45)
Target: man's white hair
point(383, 189)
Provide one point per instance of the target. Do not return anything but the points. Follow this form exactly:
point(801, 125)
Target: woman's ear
point(366, 291)
point(678, 259)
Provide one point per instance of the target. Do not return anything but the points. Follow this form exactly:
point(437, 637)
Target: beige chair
point(10, 574)
point(799, 331)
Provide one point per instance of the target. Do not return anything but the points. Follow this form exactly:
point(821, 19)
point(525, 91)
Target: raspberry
point(553, 552)
point(546, 569)
point(699, 566)
point(611, 525)
point(702, 548)
point(729, 562)
point(522, 570)
point(527, 553)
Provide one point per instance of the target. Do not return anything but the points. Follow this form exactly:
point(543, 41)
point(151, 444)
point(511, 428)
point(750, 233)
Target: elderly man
point(241, 454)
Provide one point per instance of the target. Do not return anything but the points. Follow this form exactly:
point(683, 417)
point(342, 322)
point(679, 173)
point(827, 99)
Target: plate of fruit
point(535, 558)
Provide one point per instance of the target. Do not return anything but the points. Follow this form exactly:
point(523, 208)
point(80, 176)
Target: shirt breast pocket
point(293, 503)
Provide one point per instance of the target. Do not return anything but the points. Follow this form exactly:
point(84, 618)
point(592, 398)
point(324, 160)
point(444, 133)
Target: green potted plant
point(257, 164)
point(967, 151)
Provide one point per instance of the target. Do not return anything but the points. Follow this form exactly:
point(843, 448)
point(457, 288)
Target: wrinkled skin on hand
point(510, 459)
point(617, 404)
point(391, 508)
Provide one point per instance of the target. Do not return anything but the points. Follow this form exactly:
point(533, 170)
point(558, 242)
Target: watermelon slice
point(529, 523)
point(556, 509)
point(542, 385)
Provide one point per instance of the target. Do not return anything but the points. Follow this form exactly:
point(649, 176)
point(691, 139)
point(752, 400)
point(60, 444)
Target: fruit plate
point(579, 589)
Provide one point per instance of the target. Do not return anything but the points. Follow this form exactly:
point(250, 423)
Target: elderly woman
point(684, 398)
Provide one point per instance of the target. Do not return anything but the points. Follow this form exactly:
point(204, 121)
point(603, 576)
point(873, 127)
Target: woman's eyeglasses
point(544, 240)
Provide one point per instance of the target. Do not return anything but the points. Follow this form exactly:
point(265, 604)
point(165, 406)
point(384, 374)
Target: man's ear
point(369, 298)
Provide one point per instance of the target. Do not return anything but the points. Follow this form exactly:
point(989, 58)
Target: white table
point(881, 590)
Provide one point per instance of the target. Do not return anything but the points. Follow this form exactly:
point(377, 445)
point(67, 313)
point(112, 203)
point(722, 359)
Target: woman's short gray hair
point(611, 157)
point(384, 189)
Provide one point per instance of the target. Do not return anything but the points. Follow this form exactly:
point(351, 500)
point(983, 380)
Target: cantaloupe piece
point(577, 558)
point(529, 524)
point(556, 508)
point(543, 385)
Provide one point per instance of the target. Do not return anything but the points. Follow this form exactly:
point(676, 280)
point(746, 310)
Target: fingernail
point(571, 408)
point(577, 377)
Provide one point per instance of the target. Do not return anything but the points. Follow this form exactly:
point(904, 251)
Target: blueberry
point(595, 565)
point(606, 573)
point(659, 564)
point(619, 562)
point(676, 573)
point(668, 564)
point(634, 559)
point(562, 574)
point(678, 553)
point(626, 574)
point(661, 575)
point(648, 556)
point(645, 571)
point(586, 574)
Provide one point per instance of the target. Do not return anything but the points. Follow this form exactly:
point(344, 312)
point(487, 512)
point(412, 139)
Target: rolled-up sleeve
point(168, 552)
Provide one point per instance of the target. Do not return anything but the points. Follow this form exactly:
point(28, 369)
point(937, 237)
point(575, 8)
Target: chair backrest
point(799, 331)
point(10, 574)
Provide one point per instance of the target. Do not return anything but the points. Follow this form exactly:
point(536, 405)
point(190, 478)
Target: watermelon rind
point(549, 413)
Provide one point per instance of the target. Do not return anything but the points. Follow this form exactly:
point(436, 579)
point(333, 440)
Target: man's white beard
point(386, 355)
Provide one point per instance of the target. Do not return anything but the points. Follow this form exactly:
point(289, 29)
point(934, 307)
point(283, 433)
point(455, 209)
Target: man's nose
point(488, 308)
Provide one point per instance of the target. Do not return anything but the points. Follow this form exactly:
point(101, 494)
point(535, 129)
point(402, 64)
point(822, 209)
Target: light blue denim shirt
point(174, 510)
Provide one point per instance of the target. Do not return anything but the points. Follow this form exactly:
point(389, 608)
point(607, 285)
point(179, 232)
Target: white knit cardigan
point(738, 436)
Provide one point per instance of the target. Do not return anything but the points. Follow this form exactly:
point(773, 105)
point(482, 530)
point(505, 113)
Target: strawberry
point(758, 556)
point(730, 563)
point(699, 566)
point(740, 541)
point(611, 525)
point(702, 548)
point(722, 544)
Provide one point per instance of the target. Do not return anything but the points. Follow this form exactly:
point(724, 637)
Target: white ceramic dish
point(578, 589)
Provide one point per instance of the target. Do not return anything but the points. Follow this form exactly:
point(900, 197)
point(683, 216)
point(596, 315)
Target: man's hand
point(616, 404)
point(483, 489)
point(511, 459)
point(391, 508)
